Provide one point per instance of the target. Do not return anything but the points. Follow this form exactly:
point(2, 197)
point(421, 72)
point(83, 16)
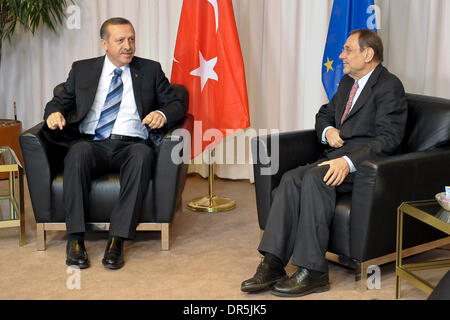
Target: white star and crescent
point(206, 70)
point(216, 12)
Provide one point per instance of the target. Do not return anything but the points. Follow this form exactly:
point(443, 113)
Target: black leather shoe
point(113, 258)
point(76, 254)
point(264, 278)
point(301, 283)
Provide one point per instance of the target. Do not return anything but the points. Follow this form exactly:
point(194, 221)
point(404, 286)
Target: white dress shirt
point(128, 122)
point(361, 84)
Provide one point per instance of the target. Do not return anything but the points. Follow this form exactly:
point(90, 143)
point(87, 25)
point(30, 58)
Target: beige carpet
point(209, 256)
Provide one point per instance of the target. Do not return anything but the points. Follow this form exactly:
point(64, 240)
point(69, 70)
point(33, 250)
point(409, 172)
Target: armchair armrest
point(380, 187)
point(285, 151)
point(170, 175)
point(41, 164)
point(37, 169)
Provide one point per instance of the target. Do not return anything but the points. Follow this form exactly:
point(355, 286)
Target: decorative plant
point(29, 14)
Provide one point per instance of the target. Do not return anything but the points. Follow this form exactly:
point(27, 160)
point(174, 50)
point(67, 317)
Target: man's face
point(119, 45)
point(353, 58)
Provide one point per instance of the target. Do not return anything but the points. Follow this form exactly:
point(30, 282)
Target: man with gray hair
point(365, 119)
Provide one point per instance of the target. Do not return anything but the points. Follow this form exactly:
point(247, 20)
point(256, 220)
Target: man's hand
point(333, 138)
point(56, 120)
point(337, 172)
point(154, 120)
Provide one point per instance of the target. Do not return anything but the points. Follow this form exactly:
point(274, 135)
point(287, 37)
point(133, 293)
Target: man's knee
point(315, 174)
point(140, 153)
point(294, 176)
point(288, 179)
point(79, 153)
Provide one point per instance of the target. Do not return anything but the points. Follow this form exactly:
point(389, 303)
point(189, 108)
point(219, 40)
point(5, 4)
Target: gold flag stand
point(211, 203)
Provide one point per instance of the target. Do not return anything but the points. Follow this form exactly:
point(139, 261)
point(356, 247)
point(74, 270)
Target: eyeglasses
point(347, 50)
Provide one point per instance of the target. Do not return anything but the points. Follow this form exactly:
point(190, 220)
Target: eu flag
point(347, 15)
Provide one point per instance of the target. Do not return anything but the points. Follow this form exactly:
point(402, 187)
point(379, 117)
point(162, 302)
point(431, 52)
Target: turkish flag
point(208, 61)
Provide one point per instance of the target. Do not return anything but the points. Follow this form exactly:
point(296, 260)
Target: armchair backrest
point(181, 92)
point(428, 125)
point(58, 88)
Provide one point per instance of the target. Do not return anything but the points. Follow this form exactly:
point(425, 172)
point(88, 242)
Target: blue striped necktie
point(111, 108)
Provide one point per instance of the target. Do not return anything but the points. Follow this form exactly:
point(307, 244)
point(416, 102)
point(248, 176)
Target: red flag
point(208, 61)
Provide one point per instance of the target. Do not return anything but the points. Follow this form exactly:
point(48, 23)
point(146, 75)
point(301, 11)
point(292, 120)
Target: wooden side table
point(431, 213)
point(11, 165)
point(9, 136)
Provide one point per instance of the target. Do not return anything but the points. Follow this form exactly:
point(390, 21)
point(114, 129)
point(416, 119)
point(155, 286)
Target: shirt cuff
point(350, 164)
point(324, 139)
point(162, 113)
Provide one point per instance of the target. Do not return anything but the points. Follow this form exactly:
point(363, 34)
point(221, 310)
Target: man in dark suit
point(106, 114)
point(365, 119)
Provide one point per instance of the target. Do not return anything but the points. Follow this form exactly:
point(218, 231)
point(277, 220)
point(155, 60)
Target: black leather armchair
point(442, 289)
point(363, 231)
point(43, 167)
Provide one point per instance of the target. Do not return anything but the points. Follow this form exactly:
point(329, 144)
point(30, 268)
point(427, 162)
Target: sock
point(273, 261)
point(315, 273)
point(75, 236)
point(111, 236)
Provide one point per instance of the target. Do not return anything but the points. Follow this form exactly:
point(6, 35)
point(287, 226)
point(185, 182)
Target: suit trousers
point(89, 159)
point(298, 225)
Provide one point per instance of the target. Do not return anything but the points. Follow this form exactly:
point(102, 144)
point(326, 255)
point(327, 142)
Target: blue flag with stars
point(347, 15)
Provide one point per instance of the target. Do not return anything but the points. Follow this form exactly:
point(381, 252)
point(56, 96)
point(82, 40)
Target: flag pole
point(211, 203)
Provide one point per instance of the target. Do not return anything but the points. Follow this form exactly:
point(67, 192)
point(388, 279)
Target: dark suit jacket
point(151, 89)
point(376, 124)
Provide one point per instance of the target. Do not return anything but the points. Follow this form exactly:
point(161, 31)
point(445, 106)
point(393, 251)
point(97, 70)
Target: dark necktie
point(111, 108)
point(350, 101)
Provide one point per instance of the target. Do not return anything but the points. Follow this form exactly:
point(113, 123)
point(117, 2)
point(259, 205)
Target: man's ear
point(370, 53)
point(104, 44)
